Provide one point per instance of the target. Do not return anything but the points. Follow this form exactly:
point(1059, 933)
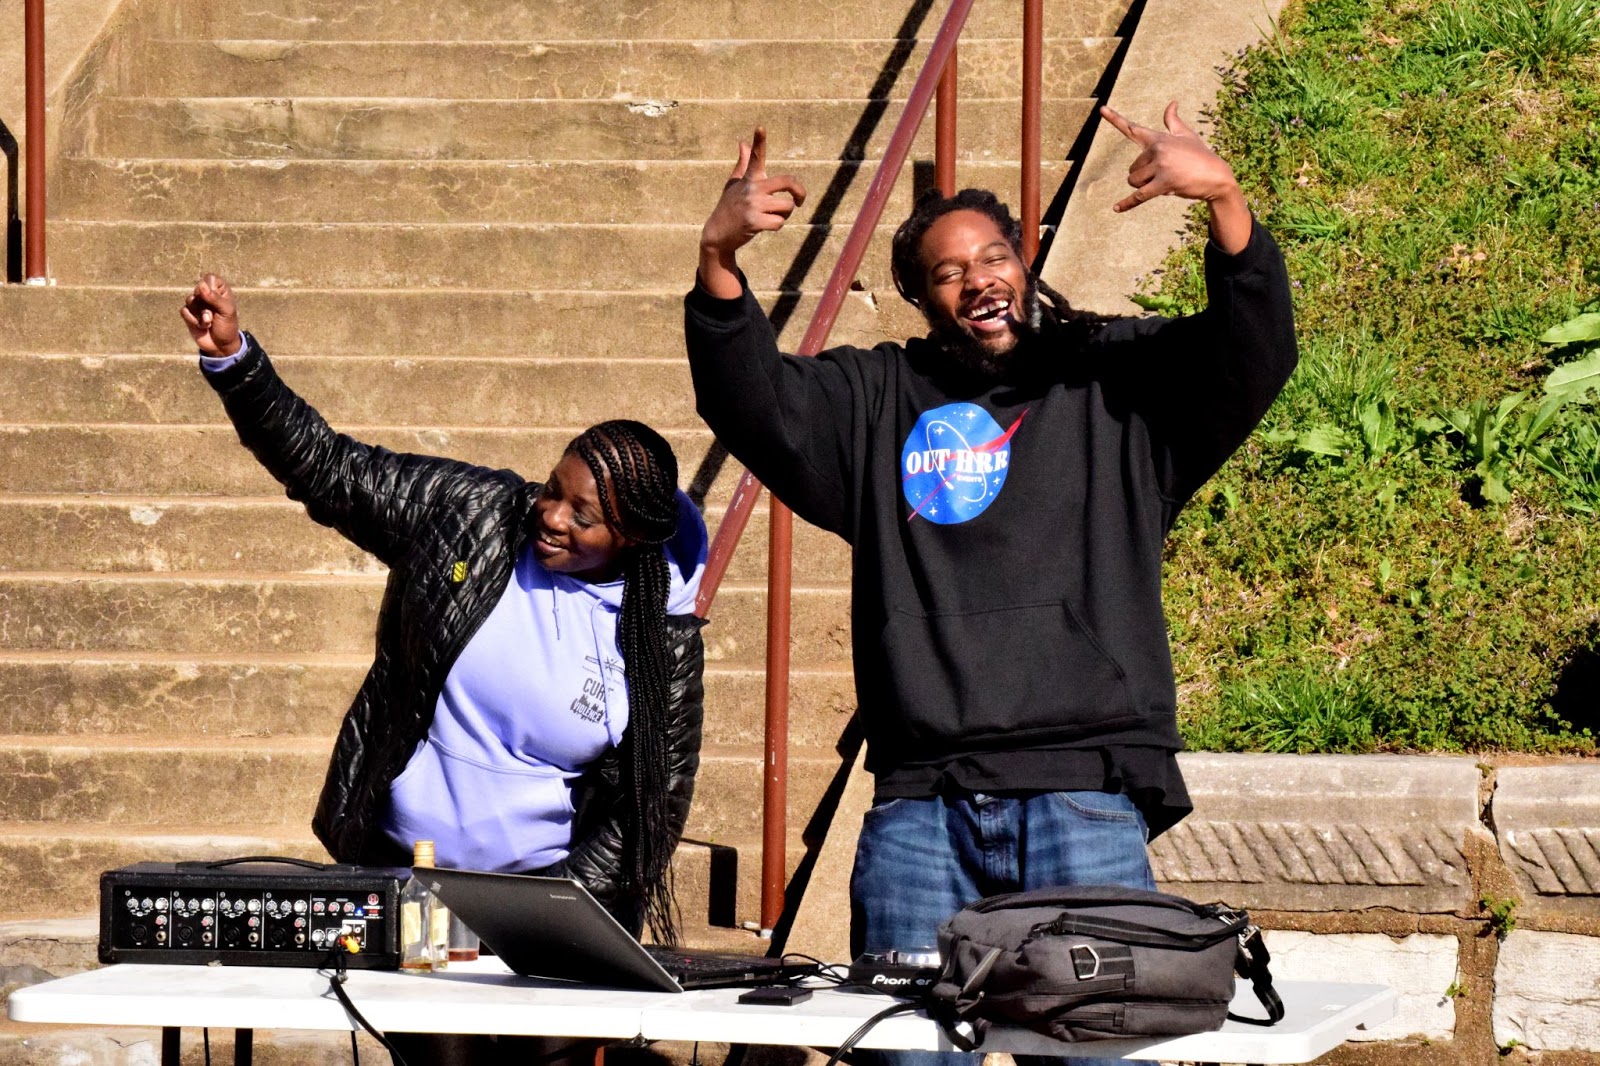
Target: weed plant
point(1405, 556)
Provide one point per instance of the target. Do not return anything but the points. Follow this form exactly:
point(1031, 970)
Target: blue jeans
point(918, 861)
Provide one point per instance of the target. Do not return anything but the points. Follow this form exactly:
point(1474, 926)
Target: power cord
point(349, 945)
point(868, 1025)
point(832, 972)
point(335, 962)
point(838, 975)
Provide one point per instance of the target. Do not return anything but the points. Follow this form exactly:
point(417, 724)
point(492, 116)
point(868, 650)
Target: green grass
point(1405, 556)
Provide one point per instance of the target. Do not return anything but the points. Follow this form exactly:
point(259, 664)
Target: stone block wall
point(1471, 887)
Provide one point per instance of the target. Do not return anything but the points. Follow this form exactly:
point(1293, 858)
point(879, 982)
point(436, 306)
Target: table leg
point(243, 1047)
point(169, 1045)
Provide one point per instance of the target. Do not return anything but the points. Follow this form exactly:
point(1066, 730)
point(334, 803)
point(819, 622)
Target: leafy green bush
point(1404, 556)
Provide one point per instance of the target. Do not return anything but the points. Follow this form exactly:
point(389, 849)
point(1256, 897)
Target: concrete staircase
point(461, 227)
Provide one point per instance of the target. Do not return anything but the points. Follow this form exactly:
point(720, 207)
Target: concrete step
point(207, 460)
point(379, 128)
point(134, 781)
point(343, 190)
point(606, 20)
point(53, 870)
point(175, 697)
point(135, 786)
point(507, 392)
point(188, 615)
point(96, 320)
point(803, 69)
point(254, 535)
point(439, 256)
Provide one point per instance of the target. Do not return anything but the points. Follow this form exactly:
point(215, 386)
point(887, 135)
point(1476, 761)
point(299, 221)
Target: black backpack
point(1096, 961)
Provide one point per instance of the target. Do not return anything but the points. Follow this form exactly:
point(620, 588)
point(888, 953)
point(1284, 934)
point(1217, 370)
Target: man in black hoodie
point(1006, 484)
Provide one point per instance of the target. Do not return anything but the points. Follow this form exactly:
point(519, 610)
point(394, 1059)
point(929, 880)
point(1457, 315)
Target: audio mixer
point(257, 911)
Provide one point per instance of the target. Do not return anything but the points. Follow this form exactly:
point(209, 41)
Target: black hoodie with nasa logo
point(1007, 535)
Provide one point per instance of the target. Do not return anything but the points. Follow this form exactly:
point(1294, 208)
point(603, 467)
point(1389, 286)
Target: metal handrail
point(33, 267)
point(1032, 91)
point(938, 74)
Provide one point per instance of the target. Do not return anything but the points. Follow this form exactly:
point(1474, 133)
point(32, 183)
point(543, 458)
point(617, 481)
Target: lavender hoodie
point(535, 697)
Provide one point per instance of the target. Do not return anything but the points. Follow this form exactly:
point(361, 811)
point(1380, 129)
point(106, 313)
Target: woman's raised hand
point(212, 315)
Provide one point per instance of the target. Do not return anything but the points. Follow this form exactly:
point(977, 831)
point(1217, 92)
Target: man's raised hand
point(1173, 162)
point(751, 203)
point(212, 315)
point(1176, 162)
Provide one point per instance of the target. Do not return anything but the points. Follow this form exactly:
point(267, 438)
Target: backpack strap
point(952, 1007)
point(1252, 963)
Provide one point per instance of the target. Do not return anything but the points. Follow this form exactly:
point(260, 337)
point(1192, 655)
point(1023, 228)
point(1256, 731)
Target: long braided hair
point(636, 476)
point(906, 252)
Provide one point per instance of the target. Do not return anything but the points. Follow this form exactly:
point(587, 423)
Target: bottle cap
point(422, 853)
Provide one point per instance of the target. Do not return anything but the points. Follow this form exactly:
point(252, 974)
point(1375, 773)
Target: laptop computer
point(551, 927)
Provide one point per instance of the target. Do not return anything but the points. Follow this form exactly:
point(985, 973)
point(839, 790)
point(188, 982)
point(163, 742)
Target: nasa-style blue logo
point(954, 463)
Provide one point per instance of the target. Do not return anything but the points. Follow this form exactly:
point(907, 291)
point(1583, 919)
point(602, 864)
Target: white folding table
point(484, 997)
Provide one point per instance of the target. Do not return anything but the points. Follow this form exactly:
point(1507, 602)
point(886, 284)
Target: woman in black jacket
point(496, 718)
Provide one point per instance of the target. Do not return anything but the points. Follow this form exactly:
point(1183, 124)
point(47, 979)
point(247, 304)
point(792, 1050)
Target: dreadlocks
point(906, 250)
point(636, 476)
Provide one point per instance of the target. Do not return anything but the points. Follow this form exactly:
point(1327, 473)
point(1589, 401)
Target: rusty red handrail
point(33, 268)
point(944, 127)
point(938, 74)
point(1032, 90)
point(935, 69)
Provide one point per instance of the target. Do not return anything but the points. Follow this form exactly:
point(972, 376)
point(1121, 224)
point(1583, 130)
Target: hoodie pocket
point(1008, 676)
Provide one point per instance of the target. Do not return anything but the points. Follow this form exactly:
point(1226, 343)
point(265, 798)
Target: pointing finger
point(1131, 130)
point(1143, 193)
point(758, 155)
point(1174, 123)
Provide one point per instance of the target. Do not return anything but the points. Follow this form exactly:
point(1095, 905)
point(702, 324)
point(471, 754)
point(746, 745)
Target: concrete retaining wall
point(1473, 889)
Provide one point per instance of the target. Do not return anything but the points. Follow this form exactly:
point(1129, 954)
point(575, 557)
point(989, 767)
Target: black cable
point(867, 1027)
point(205, 1038)
point(336, 981)
point(336, 984)
point(355, 1051)
point(827, 971)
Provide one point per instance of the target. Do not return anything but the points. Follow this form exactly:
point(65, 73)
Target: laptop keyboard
point(678, 962)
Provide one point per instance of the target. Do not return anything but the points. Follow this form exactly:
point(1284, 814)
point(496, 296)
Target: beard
point(966, 351)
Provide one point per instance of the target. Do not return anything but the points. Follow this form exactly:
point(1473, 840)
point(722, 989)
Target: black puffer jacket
point(450, 534)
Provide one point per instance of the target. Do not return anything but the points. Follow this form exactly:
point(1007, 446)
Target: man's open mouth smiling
point(989, 313)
